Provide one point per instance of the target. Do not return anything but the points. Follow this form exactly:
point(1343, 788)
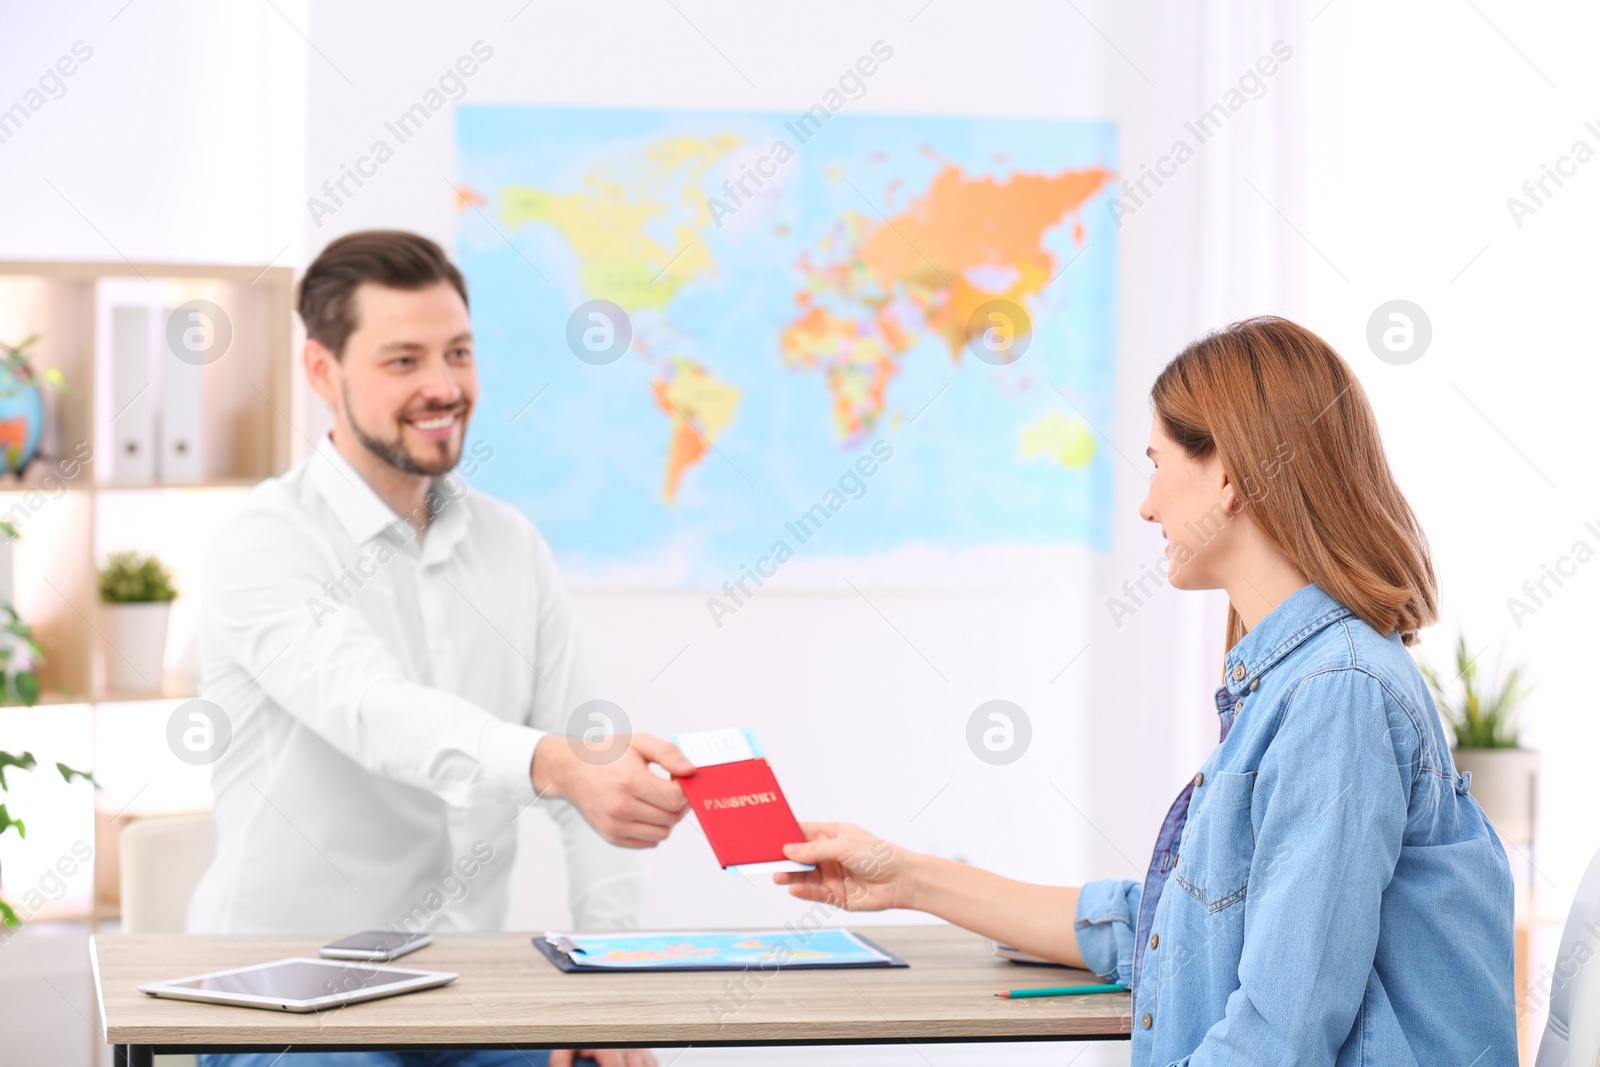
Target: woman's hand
point(854, 870)
point(857, 871)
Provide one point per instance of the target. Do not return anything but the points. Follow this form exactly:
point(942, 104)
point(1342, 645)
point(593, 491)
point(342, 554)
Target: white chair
point(162, 858)
point(1572, 1036)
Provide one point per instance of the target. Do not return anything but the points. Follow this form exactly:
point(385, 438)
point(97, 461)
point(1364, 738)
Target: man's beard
point(394, 452)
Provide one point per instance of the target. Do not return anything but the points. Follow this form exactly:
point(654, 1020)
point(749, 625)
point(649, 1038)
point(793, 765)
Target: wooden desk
point(508, 995)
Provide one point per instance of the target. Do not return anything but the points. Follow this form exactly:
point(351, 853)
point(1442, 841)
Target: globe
point(21, 418)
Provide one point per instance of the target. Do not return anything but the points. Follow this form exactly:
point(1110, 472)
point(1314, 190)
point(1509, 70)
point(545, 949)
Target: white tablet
point(298, 984)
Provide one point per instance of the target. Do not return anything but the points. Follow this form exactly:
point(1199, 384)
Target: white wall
point(181, 137)
point(1441, 115)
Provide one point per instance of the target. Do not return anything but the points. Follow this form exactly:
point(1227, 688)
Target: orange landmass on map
point(700, 407)
point(876, 285)
point(964, 223)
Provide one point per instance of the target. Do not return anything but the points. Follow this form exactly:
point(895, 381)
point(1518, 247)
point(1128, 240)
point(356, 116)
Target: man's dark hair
point(391, 258)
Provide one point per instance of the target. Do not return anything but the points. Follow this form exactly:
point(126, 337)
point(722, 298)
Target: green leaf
point(6, 822)
point(9, 759)
point(28, 688)
point(8, 916)
point(68, 774)
point(1481, 711)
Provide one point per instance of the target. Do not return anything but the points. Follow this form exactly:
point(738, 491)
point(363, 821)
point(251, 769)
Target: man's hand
point(855, 870)
point(606, 1057)
point(613, 787)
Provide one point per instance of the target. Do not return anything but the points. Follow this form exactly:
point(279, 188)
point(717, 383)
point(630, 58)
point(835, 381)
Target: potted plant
point(1484, 717)
point(136, 594)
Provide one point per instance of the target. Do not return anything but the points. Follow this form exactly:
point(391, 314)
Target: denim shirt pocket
point(1219, 841)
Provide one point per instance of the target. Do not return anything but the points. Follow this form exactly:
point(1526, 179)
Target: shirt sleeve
point(1108, 911)
point(605, 884)
point(1332, 792)
point(265, 612)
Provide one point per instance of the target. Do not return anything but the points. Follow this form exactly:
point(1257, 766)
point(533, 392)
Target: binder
point(181, 458)
point(132, 403)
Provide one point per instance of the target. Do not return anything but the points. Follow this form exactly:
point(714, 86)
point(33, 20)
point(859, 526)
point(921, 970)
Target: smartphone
point(376, 945)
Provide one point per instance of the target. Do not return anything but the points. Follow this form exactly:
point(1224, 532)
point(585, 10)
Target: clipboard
point(560, 950)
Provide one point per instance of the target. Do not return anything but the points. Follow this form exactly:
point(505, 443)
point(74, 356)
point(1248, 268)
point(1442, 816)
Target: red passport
point(743, 812)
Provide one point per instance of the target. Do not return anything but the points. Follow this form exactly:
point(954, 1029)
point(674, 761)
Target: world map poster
point(720, 344)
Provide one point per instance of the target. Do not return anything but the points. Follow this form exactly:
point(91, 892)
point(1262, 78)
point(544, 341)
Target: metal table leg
point(134, 1056)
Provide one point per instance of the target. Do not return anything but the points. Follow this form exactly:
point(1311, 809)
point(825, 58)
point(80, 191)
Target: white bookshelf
point(71, 515)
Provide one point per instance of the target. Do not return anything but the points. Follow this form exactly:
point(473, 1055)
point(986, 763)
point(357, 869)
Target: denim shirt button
point(1155, 939)
point(1145, 1021)
point(1200, 779)
point(1238, 672)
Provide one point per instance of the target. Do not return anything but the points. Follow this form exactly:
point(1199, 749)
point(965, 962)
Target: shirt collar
point(361, 512)
point(449, 524)
point(1304, 613)
point(364, 515)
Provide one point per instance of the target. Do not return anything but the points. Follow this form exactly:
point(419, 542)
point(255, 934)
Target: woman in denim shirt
point(1325, 890)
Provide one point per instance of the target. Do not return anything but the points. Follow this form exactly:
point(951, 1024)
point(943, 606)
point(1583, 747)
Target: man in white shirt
point(396, 662)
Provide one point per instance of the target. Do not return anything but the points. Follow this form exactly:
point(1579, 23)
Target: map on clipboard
point(713, 950)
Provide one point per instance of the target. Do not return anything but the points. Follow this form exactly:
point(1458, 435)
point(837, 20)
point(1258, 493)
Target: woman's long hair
point(1298, 440)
